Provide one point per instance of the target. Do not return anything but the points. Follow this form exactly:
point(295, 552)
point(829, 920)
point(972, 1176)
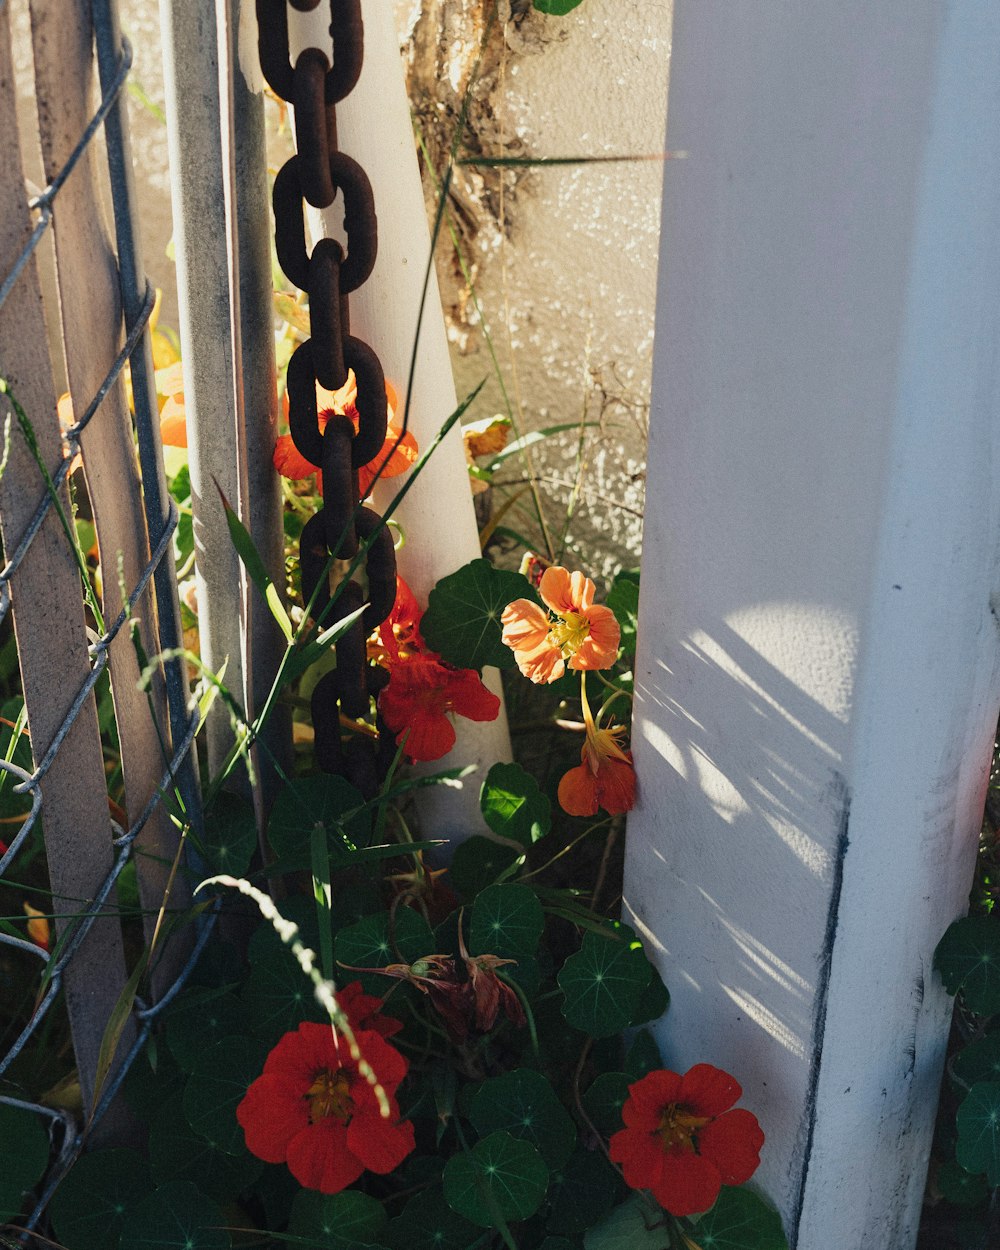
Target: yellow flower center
point(678, 1127)
point(329, 1095)
point(570, 633)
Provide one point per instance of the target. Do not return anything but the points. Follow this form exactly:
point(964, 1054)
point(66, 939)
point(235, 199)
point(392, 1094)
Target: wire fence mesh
point(178, 785)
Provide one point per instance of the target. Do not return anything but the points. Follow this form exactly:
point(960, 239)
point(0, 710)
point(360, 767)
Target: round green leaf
point(583, 1192)
point(92, 1204)
point(279, 996)
point(979, 1061)
point(623, 600)
point(643, 1056)
point(499, 1175)
point(198, 1019)
point(957, 1185)
point(176, 1217)
point(462, 621)
point(655, 999)
point(507, 920)
point(978, 1121)
point(428, 1223)
point(558, 1243)
point(604, 1100)
point(740, 1220)
point(307, 801)
point(264, 940)
point(968, 958)
point(477, 863)
point(371, 944)
point(178, 1153)
point(524, 1104)
point(603, 983)
point(333, 1220)
point(25, 1159)
point(230, 836)
point(632, 1226)
point(513, 806)
point(218, 1083)
point(147, 1090)
point(556, 7)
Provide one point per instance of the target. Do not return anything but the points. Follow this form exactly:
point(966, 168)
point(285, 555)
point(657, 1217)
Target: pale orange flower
point(605, 777)
point(290, 462)
point(39, 929)
point(575, 632)
point(170, 397)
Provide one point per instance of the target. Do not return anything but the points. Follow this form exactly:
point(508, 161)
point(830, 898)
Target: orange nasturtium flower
point(289, 461)
point(682, 1142)
point(605, 776)
point(574, 632)
point(39, 929)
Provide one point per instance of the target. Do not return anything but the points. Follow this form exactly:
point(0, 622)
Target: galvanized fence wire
point(114, 56)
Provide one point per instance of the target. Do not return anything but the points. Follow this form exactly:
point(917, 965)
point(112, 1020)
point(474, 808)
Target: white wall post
point(437, 517)
point(819, 667)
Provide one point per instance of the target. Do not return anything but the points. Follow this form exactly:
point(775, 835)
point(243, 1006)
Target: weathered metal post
point(817, 683)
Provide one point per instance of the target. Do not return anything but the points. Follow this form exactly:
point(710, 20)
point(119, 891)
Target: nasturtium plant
point(513, 805)
point(604, 981)
point(462, 621)
point(92, 1205)
point(506, 920)
point(968, 959)
point(557, 7)
point(978, 1121)
point(501, 1177)
point(24, 1166)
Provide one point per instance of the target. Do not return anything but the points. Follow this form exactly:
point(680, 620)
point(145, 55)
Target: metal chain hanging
point(316, 174)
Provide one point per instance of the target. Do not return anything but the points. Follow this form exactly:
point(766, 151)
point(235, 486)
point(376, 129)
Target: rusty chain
point(315, 175)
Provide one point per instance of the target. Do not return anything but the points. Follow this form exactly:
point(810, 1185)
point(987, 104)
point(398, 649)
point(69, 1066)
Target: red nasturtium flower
point(605, 777)
point(574, 631)
point(311, 1109)
point(422, 688)
point(397, 455)
point(364, 1011)
point(682, 1141)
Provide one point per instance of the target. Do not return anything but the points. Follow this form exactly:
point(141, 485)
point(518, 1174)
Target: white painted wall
point(818, 677)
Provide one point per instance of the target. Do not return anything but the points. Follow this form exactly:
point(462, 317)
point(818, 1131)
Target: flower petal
point(600, 649)
point(640, 1155)
point(578, 792)
point(708, 1091)
point(173, 423)
point(688, 1184)
point(543, 666)
point(397, 454)
point(615, 784)
point(289, 461)
point(564, 592)
point(648, 1096)
point(319, 1158)
point(470, 698)
point(525, 626)
point(380, 1144)
point(733, 1142)
point(271, 1113)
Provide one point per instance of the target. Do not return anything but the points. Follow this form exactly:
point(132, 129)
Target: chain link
point(316, 175)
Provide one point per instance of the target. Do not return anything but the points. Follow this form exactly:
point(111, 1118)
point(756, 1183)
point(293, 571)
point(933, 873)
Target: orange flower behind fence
point(604, 778)
point(682, 1141)
point(392, 460)
point(574, 632)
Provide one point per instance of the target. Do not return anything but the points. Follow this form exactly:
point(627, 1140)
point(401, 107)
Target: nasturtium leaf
point(219, 964)
point(147, 1090)
point(556, 7)
point(477, 863)
point(279, 996)
point(968, 958)
point(978, 1061)
point(428, 1223)
point(265, 940)
point(513, 806)
point(524, 1104)
point(200, 1017)
point(218, 1083)
point(632, 1226)
point(178, 1153)
point(643, 1056)
point(603, 982)
point(333, 1220)
point(462, 621)
point(604, 1099)
point(740, 1220)
point(507, 920)
point(230, 836)
point(25, 1159)
point(583, 1192)
point(623, 600)
point(654, 1001)
point(499, 1175)
point(176, 1217)
point(373, 943)
point(324, 799)
point(559, 1243)
point(92, 1204)
point(978, 1122)
point(955, 1184)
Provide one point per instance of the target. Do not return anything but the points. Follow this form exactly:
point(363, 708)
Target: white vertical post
point(437, 518)
point(817, 681)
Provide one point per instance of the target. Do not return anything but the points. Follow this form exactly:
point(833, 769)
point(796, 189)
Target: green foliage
point(479, 862)
point(507, 920)
point(462, 621)
point(336, 1221)
point(632, 1226)
point(968, 959)
point(740, 1220)
point(176, 1217)
point(513, 806)
point(24, 1166)
point(500, 1178)
point(623, 600)
point(524, 1104)
point(557, 7)
point(978, 1121)
point(92, 1205)
point(604, 982)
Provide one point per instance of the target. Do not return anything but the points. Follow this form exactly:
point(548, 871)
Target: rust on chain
point(331, 540)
